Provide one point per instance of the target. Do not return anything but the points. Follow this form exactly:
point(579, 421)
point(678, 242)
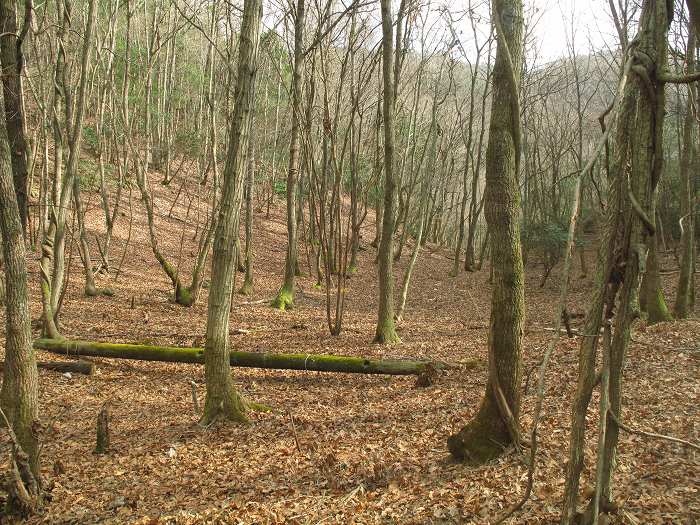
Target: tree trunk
point(53, 247)
point(683, 305)
point(285, 296)
point(651, 294)
point(12, 62)
point(635, 172)
point(386, 331)
point(222, 400)
point(247, 287)
point(19, 396)
point(495, 424)
point(310, 362)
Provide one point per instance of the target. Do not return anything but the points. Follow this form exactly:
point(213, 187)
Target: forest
point(349, 261)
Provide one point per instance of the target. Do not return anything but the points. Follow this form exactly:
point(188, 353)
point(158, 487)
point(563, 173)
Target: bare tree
point(223, 401)
point(496, 422)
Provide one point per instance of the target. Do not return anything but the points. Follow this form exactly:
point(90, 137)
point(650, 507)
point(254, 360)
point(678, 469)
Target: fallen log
point(312, 362)
point(77, 367)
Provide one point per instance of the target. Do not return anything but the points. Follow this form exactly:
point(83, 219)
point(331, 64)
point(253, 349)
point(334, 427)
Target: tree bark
point(285, 296)
point(19, 396)
point(247, 287)
point(386, 331)
point(684, 296)
point(12, 63)
point(495, 424)
point(634, 175)
point(651, 294)
point(222, 399)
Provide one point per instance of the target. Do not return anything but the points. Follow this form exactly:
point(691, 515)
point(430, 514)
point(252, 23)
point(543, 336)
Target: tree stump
point(102, 446)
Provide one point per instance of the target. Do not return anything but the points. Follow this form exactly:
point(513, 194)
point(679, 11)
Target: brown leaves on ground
point(371, 449)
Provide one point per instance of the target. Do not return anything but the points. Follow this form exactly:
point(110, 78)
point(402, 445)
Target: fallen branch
point(651, 434)
point(311, 362)
point(77, 367)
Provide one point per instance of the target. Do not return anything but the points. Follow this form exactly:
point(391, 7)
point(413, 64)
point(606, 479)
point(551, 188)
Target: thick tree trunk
point(19, 396)
point(223, 401)
point(495, 424)
point(169, 354)
point(635, 172)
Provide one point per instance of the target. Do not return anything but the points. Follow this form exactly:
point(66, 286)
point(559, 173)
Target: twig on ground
point(653, 435)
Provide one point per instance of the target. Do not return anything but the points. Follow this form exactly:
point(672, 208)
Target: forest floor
point(339, 448)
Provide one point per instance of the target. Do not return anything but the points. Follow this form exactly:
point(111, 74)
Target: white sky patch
point(590, 20)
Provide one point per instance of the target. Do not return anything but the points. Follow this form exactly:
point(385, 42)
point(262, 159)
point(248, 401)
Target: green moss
point(150, 352)
point(170, 271)
point(657, 311)
point(284, 299)
point(184, 296)
point(258, 407)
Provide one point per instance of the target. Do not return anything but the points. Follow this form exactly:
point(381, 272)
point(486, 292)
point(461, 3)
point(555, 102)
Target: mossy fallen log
point(312, 362)
point(77, 367)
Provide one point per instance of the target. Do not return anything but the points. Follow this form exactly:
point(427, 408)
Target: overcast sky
point(592, 25)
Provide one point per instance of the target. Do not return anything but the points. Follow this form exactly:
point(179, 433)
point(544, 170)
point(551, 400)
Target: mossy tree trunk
point(485, 436)
point(222, 399)
point(386, 331)
point(377, 173)
point(271, 361)
point(285, 296)
point(2, 283)
point(19, 396)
